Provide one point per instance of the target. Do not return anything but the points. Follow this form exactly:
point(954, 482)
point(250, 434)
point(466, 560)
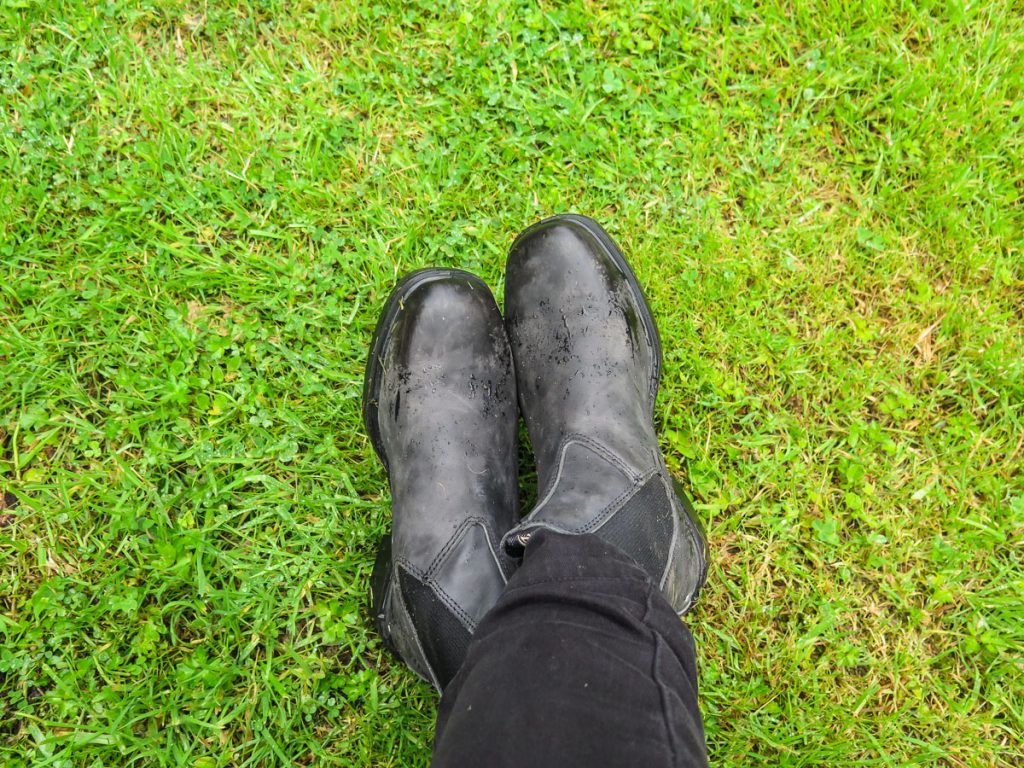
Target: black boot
point(587, 361)
point(439, 403)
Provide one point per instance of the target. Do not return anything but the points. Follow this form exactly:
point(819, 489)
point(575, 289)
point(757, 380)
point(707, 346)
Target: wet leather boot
point(439, 404)
point(587, 360)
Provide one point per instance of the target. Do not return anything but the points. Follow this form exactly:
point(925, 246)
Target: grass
point(204, 205)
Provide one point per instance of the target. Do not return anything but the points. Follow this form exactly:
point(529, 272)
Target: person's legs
point(583, 659)
point(582, 662)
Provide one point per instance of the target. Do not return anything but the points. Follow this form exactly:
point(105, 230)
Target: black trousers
point(581, 662)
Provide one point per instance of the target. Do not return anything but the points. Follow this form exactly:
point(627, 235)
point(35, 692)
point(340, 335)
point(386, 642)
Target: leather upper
point(587, 361)
point(446, 412)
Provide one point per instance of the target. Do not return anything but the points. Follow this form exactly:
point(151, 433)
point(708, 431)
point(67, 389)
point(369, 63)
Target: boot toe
point(446, 315)
point(561, 258)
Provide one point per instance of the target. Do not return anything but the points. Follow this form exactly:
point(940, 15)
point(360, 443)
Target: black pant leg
point(582, 662)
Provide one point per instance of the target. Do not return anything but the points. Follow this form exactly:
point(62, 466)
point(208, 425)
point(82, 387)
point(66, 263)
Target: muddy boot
point(439, 404)
point(588, 360)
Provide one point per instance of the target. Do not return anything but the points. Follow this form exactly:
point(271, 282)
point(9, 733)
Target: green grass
point(204, 205)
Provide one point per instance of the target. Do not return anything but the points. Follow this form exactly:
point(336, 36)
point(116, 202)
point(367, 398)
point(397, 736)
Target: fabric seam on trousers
point(662, 693)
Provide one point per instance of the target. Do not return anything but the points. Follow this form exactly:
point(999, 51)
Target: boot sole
point(646, 316)
point(381, 578)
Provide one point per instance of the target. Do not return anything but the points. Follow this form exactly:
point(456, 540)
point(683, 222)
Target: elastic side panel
point(443, 637)
point(643, 528)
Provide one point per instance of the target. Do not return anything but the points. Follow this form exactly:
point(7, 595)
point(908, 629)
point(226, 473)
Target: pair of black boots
point(580, 347)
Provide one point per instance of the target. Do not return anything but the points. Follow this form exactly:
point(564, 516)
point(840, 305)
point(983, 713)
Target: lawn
point(204, 205)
